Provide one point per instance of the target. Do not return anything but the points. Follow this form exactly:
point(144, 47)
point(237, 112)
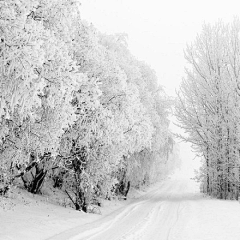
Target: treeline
point(75, 106)
point(208, 106)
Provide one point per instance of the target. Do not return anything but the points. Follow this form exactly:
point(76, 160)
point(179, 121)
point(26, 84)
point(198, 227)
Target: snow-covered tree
point(75, 100)
point(208, 103)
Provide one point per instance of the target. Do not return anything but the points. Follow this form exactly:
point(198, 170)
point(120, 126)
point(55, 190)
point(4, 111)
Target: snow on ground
point(24, 216)
point(173, 209)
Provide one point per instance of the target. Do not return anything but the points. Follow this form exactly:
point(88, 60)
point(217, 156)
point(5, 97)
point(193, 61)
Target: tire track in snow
point(179, 210)
point(91, 233)
point(138, 231)
point(144, 200)
point(92, 229)
point(102, 227)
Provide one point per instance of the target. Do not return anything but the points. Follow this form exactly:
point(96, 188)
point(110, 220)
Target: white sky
point(158, 30)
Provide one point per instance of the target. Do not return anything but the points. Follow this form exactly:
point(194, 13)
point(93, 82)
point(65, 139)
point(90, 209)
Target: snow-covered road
point(172, 210)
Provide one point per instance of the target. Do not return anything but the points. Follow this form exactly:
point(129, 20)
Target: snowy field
point(170, 210)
